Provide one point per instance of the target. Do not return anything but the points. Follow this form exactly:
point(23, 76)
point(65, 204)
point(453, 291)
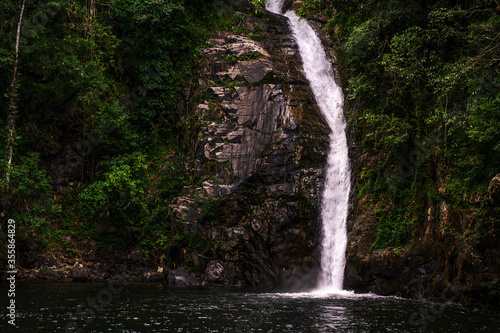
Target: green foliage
point(109, 83)
point(231, 59)
point(491, 292)
point(258, 28)
point(27, 182)
point(394, 228)
point(28, 199)
point(212, 210)
point(184, 240)
point(132, 194)
point(259, 5)
point(172, 177)
point(190, 242)
point(415, 70)
point(162, 39)
point(493, 287)
point(118, 198)
point(256, 37)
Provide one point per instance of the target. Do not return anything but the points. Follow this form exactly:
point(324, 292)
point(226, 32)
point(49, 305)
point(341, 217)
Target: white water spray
point(329, 96)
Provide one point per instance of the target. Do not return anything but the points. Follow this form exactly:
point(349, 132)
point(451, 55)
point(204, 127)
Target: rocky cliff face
point(260, 155)
point(442, 262)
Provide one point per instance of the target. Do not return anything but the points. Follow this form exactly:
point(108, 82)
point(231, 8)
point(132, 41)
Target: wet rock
point(79, 273)
point(250, 71)
point(135, 257)
point(199, 262)
point(494, 190)
point(445, 261)
point(262, 150)
point(214, 272)
point(153, 277)
point(297, 5)
point(287, 5)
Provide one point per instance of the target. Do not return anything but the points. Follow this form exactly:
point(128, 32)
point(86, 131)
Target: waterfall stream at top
point(329, 96)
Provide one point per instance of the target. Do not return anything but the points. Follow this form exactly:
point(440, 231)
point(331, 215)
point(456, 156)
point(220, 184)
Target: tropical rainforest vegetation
point(422, 79)
point(99, 139)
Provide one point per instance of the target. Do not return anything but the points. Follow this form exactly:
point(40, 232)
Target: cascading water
point(329, 96)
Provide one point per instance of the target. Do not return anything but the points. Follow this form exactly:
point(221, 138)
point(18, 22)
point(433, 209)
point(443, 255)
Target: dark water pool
point(94, 307)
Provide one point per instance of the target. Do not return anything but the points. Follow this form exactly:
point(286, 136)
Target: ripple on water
point(145, 308)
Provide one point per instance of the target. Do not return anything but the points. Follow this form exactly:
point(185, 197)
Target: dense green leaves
point(98, 100)
point(119, 196)
point(422, 77)
point(30, 200)
point(161, 41)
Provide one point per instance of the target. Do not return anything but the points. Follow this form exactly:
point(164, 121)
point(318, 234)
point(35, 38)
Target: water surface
point(158, 308)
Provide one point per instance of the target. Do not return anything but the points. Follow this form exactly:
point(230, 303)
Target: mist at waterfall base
point(334, 207)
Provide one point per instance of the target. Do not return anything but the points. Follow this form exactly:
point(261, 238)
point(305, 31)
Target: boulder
point(288, 4)
point(214, 272)
point(199, 262)
point(494, 190)
point(297, 5)
point(79, 273)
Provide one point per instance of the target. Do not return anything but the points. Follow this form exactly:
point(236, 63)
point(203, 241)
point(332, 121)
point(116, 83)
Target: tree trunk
point(92, 8)
point(11, 120)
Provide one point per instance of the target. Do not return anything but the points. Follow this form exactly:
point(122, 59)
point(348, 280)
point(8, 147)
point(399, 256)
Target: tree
point(259, 5)
point(11, 121)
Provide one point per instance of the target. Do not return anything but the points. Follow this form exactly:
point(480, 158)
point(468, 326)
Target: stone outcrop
point(261, 151)
point(443, 262)
point(494, 190)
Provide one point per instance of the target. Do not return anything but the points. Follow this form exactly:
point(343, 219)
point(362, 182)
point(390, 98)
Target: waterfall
point(329, 96)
